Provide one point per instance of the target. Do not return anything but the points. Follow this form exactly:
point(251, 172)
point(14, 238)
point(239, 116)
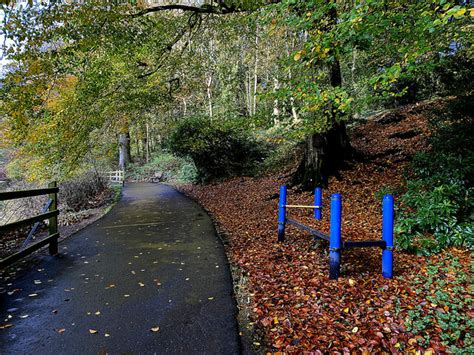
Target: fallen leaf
point(155, 329)
point(61, 330)
point(93, 331)
point(355, 329)
point(97, 313)
point(6, 326)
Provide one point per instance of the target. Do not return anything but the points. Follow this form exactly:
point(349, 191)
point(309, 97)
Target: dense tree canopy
point(88, 72)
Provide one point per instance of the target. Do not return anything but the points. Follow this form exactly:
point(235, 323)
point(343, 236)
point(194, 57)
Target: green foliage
point(219, 149)
point(437, 208)
point(169, 167)
point(387, 52)
point(449, 294)
point(82, 73)
point(282, 154)
point(73, 88)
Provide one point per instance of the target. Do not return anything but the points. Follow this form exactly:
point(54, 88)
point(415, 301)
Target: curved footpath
point(153, 262)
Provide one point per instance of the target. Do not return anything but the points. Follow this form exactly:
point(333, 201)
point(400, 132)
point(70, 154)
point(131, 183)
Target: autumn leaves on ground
point(293, 305)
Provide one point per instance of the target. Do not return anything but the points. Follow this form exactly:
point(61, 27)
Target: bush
point(82, 192)
point(437, 208)
point(168, 166)
point(283, 154)
point(218, 149)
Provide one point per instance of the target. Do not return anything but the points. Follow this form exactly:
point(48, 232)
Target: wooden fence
point(51, 214)
point(116, 177)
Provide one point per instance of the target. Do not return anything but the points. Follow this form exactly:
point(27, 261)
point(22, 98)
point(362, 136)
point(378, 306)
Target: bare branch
point(221, 8)
point(206, 9)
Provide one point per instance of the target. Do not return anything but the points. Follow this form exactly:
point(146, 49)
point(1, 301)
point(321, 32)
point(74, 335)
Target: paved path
point(153, 261)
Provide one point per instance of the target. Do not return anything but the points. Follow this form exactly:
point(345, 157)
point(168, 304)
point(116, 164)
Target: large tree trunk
point(323, 156)
point(324, 153)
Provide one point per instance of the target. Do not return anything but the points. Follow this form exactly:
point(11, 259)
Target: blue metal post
point(282, 214)
point(387, 236)
point(318, 201)
point(335, 237)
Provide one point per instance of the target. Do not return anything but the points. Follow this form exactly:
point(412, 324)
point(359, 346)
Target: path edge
point(247, 337)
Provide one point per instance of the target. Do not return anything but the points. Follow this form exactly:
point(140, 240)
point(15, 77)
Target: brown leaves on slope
point(295, 305)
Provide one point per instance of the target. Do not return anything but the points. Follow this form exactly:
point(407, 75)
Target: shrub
point(437, 208)
point(218, 149)
point(168, 166)
point(82, 192)
point(283, 154)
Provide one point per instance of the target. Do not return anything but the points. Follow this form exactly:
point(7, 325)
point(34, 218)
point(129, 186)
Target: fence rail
point(51, 215)
point(336, 244)
point(117, 176)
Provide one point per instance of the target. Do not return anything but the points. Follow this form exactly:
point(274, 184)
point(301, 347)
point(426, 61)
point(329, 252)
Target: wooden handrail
point(52, 215)
point(28, 221)
point(25, 252)
point(12, 195)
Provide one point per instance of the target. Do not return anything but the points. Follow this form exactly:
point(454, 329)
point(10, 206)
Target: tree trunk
point(147, 127)
point(209, 95)
point(128, 149)
point(323, 156)
point(124, 150)
point(325, 152)
point(276, 105)
point(255, 74)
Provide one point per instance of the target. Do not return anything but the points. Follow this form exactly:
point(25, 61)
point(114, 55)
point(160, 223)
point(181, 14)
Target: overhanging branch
point(206, 9)
point(221, 8)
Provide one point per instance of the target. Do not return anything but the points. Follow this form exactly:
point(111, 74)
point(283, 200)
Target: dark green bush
point(437, 208)
point(219, 149)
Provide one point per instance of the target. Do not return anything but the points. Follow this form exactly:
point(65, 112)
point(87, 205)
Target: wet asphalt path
point(153, 261)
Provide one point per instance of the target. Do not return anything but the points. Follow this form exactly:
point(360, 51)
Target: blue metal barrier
point(335, 237)
point(318, 201)
point(387, 236)
point(282, 214)
point(336, 244)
